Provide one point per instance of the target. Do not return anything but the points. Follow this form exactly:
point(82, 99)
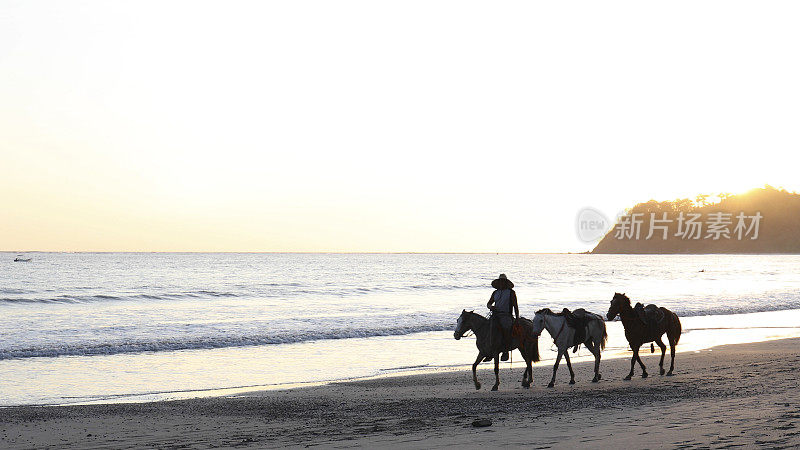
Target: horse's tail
point(534, 352)
point(677, 327)
point(652, 348)
point(605, 335)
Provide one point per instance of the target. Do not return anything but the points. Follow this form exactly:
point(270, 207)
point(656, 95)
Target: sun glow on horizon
point(356, 126)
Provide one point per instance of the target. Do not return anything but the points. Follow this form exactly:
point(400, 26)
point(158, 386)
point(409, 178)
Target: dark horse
point(638, 333)
point(487, 346)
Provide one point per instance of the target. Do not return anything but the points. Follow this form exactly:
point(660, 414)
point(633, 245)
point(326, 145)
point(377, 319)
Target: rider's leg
point(493, 325)
point(506, 341)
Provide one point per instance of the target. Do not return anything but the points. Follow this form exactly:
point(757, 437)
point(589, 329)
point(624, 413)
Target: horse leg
point(474, 370)
point(555, 368)
point(528, 371)
point(496, 372)
point(633, 362)
point(644, 370)
point(663, 352)
point(569, 366)
point(672, 356)
point(595, 349)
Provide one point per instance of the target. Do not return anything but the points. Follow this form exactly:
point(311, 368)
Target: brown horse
point(638, 333)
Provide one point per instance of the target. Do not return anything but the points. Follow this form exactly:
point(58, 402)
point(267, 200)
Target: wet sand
point(735, 395)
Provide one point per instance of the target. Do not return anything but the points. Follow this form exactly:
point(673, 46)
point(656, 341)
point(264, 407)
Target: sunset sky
point(380, 126)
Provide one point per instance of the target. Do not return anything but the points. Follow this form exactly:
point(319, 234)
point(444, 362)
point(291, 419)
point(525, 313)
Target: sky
point(397, 126)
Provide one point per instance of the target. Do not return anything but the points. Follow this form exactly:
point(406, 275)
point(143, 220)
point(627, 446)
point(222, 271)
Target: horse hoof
point(669, 374)
point(477, 386)
point(599, 377)
point(595, 380)
point(571, 381)
point(550, 385)
point(628, 378)
point(662, 372)
point(494, 388)
point(644, 375)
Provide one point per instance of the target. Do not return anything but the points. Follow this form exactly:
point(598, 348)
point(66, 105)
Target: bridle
point(559, 330)
point(470, 331)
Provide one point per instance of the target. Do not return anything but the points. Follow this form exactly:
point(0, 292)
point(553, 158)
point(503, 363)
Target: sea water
point(82, 327)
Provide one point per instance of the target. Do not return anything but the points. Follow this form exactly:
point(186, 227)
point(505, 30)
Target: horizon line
point(293, 252)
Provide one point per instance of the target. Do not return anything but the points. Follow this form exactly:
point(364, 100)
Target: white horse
point(564, 338)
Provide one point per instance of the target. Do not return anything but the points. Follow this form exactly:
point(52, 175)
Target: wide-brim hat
point(502, 282)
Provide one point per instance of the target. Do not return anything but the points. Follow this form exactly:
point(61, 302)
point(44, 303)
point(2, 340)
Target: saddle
point(651, 316)
point(579, 320)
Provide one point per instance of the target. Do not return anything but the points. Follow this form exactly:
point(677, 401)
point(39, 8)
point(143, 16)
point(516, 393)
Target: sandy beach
point(735, 395)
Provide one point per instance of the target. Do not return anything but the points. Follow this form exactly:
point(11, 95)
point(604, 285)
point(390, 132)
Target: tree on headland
point(702, 200)
point(779, 224)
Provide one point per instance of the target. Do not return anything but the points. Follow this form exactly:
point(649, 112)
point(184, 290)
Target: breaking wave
point(201, 343)
point(271, 290)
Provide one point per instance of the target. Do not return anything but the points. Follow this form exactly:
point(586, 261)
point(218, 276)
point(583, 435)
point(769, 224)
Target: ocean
point(100, 327)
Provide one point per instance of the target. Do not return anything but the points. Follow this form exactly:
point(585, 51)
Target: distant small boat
point(19, 258)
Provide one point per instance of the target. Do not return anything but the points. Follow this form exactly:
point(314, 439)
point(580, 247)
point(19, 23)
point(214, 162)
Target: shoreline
point(740, 394)
point(700, 332)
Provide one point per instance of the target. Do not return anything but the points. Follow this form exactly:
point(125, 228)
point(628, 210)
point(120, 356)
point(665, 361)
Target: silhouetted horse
point(638, 333)
point(480, 325)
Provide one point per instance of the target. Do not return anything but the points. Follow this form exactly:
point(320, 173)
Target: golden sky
point(380, 126)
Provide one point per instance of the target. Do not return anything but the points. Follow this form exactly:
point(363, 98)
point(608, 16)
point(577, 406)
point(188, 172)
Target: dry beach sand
point(735, 395)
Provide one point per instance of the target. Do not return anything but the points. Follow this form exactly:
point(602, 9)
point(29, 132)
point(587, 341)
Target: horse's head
point(538, 324)
point(461, 326)
point(616, 305)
